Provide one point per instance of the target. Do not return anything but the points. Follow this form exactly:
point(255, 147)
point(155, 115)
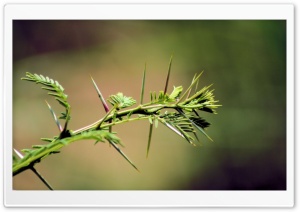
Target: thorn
point(35, 171)
point(149, 139)
point(191, 89)
point(55, 118)
point(106, 115)
point(18, 153)
point(143, 85)
point(168, 76)
point(174, 129)
point(195, 79)
point(41, 178)
point(120, 151)
point(106, 108)
point(171, 127)
point(105, 105)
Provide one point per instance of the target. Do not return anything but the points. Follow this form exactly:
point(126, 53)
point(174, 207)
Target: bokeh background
point(244, 59)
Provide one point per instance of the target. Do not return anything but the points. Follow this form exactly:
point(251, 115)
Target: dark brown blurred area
point(39, 37)
point(245, 60)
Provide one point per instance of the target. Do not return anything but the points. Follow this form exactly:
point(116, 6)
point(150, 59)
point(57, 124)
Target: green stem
point(141, 109)
point(107, 121)
point(29, 160)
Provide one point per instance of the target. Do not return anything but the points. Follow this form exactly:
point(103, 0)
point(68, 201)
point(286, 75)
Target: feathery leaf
point(121, 101)
point(198, 127)
point(175, 93)
point(55, 89)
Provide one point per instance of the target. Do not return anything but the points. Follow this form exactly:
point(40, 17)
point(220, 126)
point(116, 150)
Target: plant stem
point(141, 110)
point(201, 100)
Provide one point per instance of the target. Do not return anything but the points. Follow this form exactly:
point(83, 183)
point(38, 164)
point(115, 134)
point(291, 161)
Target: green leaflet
point(47, 139)
point(175, 93)
point(156, 123)
point(165, 98)
point(121, 101)
point(15, 159)
point(150, 120)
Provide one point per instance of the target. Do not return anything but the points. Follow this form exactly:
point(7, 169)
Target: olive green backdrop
point(245, 60)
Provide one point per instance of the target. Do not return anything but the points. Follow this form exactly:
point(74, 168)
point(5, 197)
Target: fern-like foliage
point(120, 101)
point(201, 100)
point(56, 90)
point(179, 125)
point(179, 111)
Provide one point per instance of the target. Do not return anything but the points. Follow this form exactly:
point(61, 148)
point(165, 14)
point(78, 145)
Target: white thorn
point(18, 153)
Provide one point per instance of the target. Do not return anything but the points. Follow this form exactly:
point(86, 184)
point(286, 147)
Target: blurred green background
point(244, 59)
